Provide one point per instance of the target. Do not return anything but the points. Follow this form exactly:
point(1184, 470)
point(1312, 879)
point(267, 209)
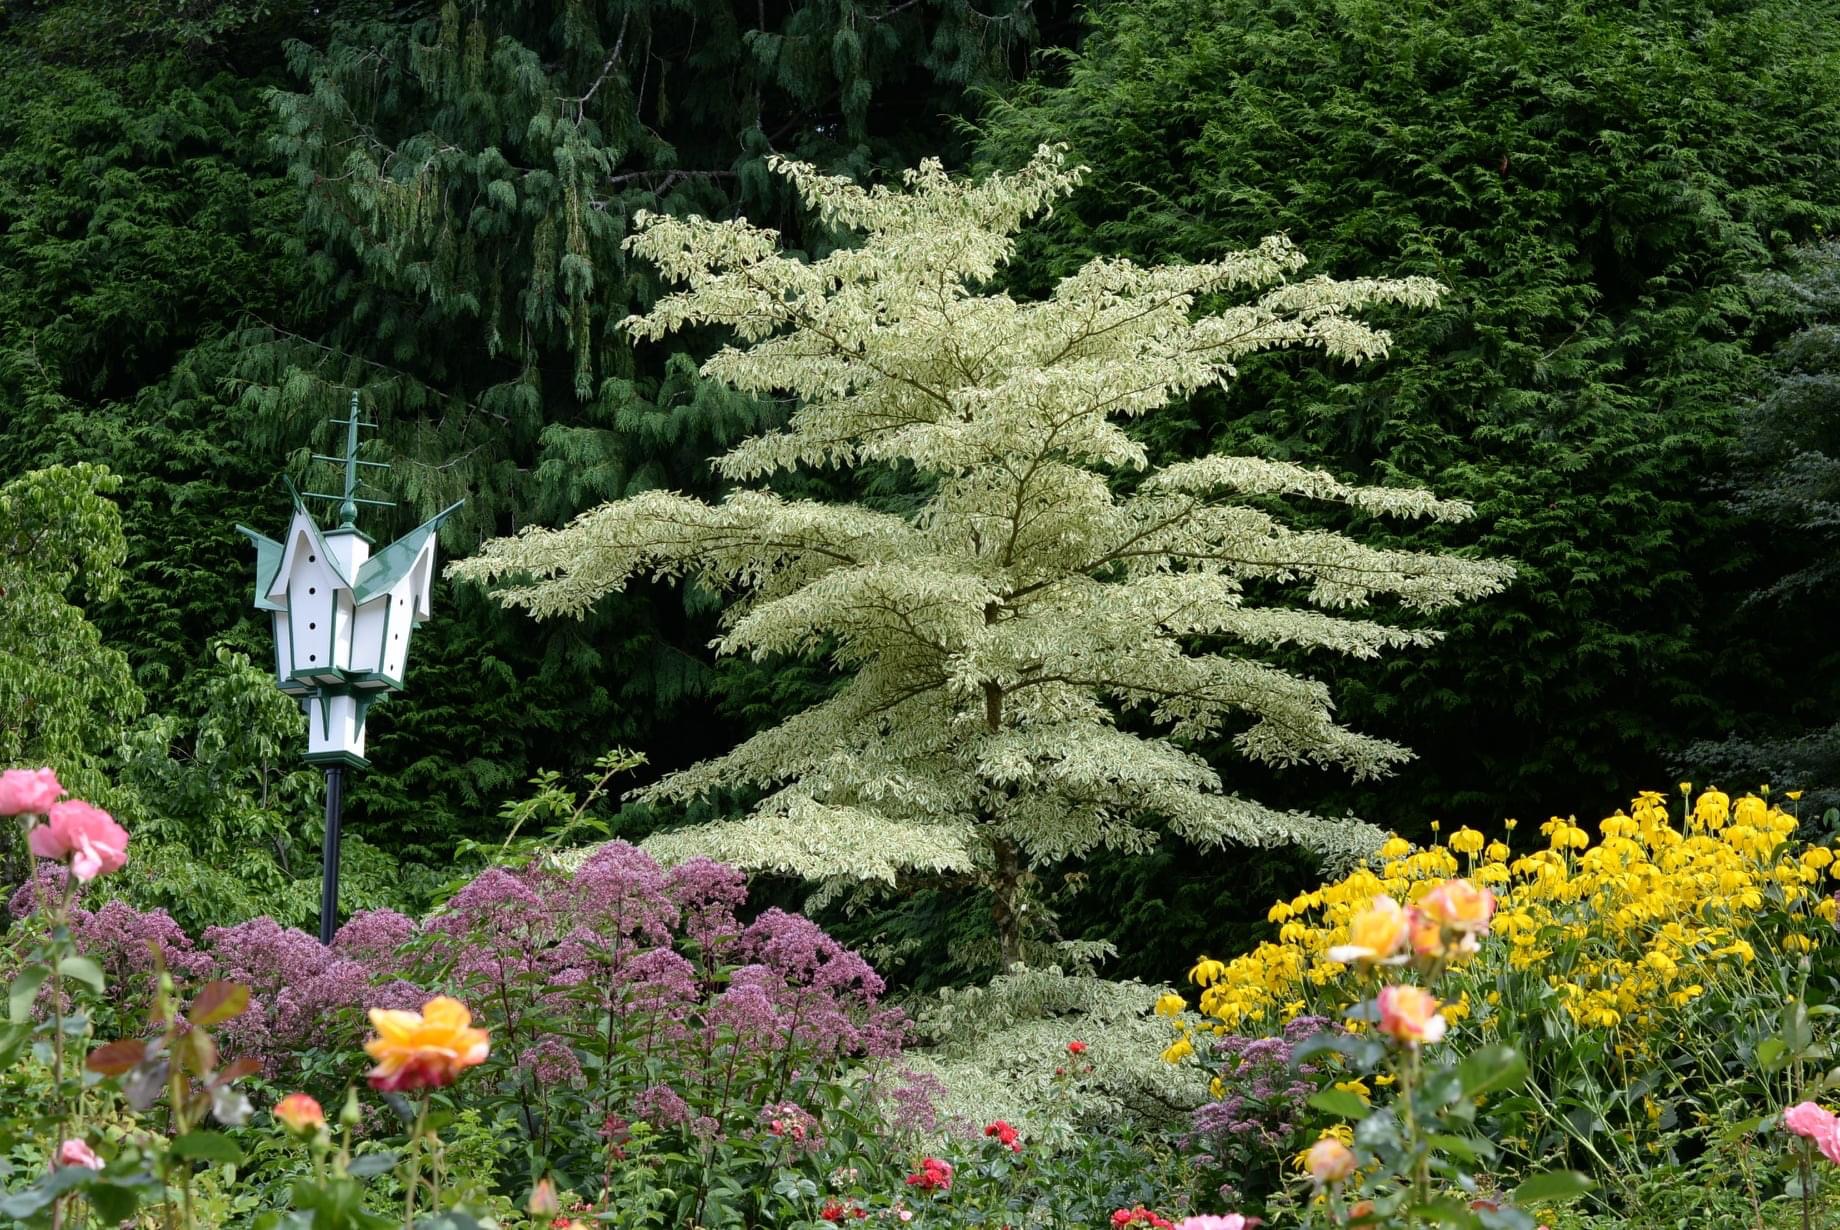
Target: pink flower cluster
point(710, 1017)
point(302, 994)
point(661, 951)
point(1818, 1125)
point(1140, 1216)
point(77, 833)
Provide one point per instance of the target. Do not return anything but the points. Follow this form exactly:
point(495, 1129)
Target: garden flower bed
point(620, 1045)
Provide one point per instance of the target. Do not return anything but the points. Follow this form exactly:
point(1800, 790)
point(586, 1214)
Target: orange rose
point(426, 1049)
point(1410, 1014)
point(300, 1113)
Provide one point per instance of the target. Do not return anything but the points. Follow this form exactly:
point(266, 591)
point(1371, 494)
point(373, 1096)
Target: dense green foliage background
point(1596, 186)
point(216, 220)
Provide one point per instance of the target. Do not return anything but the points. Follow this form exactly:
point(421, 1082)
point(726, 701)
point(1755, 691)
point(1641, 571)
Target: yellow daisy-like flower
point(1712, 808)
point(426, 1049)
point(1466, 841)
point(1179, 1050)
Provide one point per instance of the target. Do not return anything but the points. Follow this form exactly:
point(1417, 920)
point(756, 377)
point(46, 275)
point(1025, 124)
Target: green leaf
point(1491, 1068)
point(84, 971)
point(1552, 1185)
point(24, 990)
point(12, 1041)
point(1443, 1212)
point(207, 1147)
point(24, 1203)
point(1340, 1103)
point(1770, 1054)
point(368, 1165)
point(1463, 1148)
point(114, 1203)
point(1796, 1032)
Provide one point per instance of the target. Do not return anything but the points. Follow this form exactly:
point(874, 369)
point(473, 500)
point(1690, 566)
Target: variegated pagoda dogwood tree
point(1048, 583)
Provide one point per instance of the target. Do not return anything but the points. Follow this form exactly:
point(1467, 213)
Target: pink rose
point(1214, 1221)
point(74, 1152)
point(86, 835)
point(1818, 1125)
point(28, 792)
point(1807, 1119)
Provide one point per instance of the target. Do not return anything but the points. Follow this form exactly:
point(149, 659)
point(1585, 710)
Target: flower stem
point(415, 1163)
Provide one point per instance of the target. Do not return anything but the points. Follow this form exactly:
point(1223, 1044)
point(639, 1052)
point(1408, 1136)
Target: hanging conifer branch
point(995, 637)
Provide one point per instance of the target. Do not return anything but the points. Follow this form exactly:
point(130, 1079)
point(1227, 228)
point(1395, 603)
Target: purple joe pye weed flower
point(1262, 1099)
point(661, 1107)
point(912, 1104)
point(373, 935)
point(708, 893)
point(693, 1017)
point(649, 971)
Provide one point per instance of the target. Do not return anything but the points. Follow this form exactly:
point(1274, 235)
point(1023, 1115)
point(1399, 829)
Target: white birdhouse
point(342, 616)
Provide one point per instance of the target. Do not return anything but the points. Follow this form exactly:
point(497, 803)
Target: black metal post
point(329, 869)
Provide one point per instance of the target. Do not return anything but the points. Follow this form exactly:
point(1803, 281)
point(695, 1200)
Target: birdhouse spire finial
point(349, 499)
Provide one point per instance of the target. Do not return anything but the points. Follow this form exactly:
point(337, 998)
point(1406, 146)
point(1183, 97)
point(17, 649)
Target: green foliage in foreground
point(1596, 184)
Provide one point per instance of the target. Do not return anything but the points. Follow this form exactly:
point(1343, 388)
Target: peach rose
point(1329, 1161)
point(300, 1113)
point(1458, 905)
point(1410, 1014)
point(543, 1200)
point(1375, 935)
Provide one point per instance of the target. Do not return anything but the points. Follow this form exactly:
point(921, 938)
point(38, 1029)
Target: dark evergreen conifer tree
point(1787, 486)
point(468, 173)
point(1597, 185)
